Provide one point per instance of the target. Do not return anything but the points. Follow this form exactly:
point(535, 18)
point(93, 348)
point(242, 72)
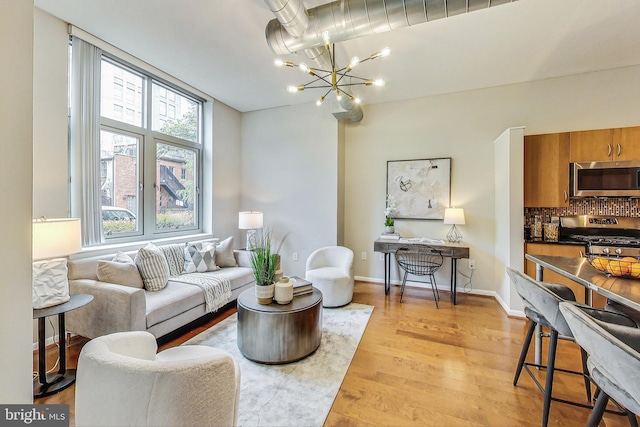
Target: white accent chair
point(121, 381)
point(330, 270)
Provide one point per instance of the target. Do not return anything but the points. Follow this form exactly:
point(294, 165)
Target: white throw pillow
point(153, 267)
point(198, 259)
point(224, 253)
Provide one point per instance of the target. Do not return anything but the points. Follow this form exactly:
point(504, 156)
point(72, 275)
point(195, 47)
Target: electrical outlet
point(295, 256)
point(364, 256)
point(472, 264)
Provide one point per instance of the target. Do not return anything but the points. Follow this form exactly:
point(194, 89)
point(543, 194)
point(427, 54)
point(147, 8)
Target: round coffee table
point(276, 334)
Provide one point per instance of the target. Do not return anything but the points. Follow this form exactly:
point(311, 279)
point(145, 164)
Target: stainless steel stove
point(604, 235)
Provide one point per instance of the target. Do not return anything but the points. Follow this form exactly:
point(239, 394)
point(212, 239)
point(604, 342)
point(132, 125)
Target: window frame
point(147, 156)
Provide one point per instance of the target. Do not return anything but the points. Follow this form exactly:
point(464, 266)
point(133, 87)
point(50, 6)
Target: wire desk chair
point(420, 260)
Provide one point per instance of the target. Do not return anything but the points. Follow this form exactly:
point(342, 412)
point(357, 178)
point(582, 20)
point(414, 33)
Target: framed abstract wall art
point(421, 189)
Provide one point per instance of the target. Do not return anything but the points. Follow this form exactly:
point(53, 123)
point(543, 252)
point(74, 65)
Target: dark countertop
point(559, 242)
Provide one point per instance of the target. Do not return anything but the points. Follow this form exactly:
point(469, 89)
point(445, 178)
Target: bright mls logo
point(34, 415)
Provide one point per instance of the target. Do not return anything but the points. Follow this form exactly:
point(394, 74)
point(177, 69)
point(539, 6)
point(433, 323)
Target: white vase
point(264, 293)
point(389, 229)
point(283, 293)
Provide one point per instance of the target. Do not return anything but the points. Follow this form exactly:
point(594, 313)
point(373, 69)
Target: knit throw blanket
point(217, 289)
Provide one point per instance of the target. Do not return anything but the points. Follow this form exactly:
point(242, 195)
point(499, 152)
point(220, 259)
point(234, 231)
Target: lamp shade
point(249, 220)
point(57, 237)
point(454, 216)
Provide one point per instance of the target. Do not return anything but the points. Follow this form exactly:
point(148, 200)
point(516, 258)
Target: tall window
point(142, 147)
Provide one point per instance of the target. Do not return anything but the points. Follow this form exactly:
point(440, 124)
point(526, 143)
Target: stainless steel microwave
point(605, 179)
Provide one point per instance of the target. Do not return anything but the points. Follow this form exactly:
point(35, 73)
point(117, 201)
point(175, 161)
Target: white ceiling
point(219, 46)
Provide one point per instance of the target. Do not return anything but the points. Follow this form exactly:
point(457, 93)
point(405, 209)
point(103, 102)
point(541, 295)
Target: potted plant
point(265, 262)
point(388, 212)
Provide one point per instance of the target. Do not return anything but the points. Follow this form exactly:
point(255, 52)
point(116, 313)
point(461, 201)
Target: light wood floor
point(419, 366)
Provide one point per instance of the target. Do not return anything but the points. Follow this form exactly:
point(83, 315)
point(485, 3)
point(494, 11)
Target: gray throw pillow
point(120, 273)
point(153, 267)
point(224, 253)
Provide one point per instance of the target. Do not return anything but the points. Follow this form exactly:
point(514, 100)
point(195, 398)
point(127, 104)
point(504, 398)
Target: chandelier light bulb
point(325, 37)
point(354, 61)
point(303, 67)
point(357, 101)
point(338, 96)
point(385, 52)
point(320, 101)
point(280, 63)
point(378, 82)
point(294, 89)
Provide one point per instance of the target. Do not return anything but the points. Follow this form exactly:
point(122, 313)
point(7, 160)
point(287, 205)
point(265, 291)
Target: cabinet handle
point(619, 150)
point(608, 150)
point(566, 196)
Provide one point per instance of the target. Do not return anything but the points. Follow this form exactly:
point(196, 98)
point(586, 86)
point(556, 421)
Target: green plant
point(265, 259)
point(389, 210)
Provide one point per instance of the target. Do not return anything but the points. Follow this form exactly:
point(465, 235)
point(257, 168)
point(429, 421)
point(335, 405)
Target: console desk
point(455, 251)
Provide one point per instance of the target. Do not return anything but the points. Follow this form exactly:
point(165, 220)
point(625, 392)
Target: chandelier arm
point(354, 77)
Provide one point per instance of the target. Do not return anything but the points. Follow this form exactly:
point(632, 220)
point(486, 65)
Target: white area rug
point(299, 393)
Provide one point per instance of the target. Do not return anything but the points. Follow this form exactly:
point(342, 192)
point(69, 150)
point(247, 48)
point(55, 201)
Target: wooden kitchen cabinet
point(550, 276)
point(605, 145)
point(546, 170)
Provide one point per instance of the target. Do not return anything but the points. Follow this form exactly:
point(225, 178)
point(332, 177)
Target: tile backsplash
point(606, 207)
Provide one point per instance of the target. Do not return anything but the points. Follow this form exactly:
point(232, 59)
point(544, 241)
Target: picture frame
point(420, 189)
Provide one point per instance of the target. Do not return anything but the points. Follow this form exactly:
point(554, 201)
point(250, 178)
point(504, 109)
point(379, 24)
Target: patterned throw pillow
point(174, 253)
point(224, 253)
point(153, 267)
point(199, 259)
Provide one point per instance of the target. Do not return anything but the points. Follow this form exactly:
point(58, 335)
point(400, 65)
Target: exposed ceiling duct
point(297, 29)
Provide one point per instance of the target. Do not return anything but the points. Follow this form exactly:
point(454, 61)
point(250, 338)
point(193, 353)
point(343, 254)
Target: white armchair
point(121, 381)
point(330, 270)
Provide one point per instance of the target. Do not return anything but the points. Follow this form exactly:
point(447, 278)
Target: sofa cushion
point(120, 273)
point(153, 267)
point(199, 259)
point(224, 253)
point(174, 299)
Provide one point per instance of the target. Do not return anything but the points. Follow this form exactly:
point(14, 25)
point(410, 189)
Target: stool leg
point(525, 349)
point(585, 371)
point(598, 409)
point(551, 360)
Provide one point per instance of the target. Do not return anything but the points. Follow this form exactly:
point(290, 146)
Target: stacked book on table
point(300, 286)
point(390, 236)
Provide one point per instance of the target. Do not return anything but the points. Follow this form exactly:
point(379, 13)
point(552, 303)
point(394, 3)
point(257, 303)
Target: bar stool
point(614, 359)
point(542, 306)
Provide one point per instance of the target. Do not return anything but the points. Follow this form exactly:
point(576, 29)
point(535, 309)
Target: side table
point(50, 384)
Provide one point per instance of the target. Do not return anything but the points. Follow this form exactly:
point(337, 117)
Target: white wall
point(509, 208)
point(50, 82)
point(463, 126)
point(290, 172)
point(16, 136)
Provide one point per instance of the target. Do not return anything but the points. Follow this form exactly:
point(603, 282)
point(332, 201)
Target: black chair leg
point(525, 349)
point(632, 419)
point(585, 371)
point(598, 409)
point(551, 360)
point(404, 281)
point(436, 296)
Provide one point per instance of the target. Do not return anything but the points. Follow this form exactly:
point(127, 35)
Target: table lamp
point(250, 221)
point(53, 240)
point(454, 216)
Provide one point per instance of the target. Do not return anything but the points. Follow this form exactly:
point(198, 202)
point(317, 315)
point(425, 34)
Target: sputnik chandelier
point(337, 79)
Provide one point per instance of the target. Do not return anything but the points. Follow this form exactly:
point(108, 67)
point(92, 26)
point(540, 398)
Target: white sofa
point(118, 308)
